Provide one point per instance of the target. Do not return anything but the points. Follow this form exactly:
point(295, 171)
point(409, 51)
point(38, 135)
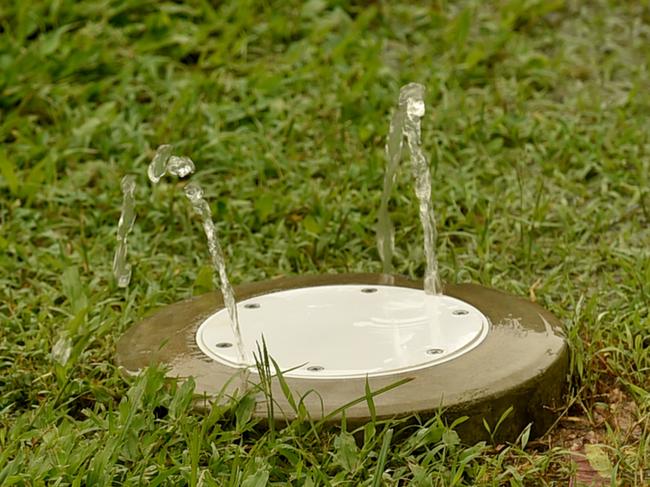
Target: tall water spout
point(385, 229)
point(406, 123)
point(411, 98)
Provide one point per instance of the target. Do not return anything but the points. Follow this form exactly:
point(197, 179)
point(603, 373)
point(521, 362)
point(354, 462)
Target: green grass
point(538, 134)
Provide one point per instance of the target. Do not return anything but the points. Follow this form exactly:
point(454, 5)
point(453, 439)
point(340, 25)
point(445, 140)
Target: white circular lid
point(346, 331)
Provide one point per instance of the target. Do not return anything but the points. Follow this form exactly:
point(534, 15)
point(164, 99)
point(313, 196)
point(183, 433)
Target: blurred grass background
point(537, 130)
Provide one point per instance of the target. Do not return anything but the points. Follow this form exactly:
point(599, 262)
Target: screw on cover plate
point(435, 351)
point(369, 290)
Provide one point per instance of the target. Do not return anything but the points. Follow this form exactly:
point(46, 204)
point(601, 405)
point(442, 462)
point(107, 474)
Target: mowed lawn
point(538, 134)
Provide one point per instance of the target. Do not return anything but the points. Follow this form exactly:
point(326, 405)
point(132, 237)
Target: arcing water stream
point(164, 163)
point(195, 194)
point(406, 123)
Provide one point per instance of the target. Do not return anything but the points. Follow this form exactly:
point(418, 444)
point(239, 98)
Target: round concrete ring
point(522, 363)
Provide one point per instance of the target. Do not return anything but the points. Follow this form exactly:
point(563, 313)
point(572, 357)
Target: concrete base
point(523, 363)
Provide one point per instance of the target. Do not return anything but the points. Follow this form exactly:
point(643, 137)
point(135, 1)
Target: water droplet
point(180, 166)
point(194, 192)
point(61, 350)
point(157, 168)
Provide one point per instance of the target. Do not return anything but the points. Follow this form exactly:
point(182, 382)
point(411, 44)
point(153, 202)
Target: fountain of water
point(470, 349)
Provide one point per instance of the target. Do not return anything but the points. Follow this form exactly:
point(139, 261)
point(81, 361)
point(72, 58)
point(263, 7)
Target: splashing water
point(195, 194)
point(406, 123)
point(121, 268)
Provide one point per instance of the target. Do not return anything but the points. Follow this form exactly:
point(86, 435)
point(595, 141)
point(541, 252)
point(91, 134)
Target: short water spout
point(121, 268)
point(164, 162)
point(194, 193)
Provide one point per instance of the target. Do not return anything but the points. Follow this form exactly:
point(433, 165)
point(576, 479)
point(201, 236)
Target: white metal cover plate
point(347, 331)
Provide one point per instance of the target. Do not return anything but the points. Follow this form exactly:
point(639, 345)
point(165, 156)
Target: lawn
point(538, 133)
